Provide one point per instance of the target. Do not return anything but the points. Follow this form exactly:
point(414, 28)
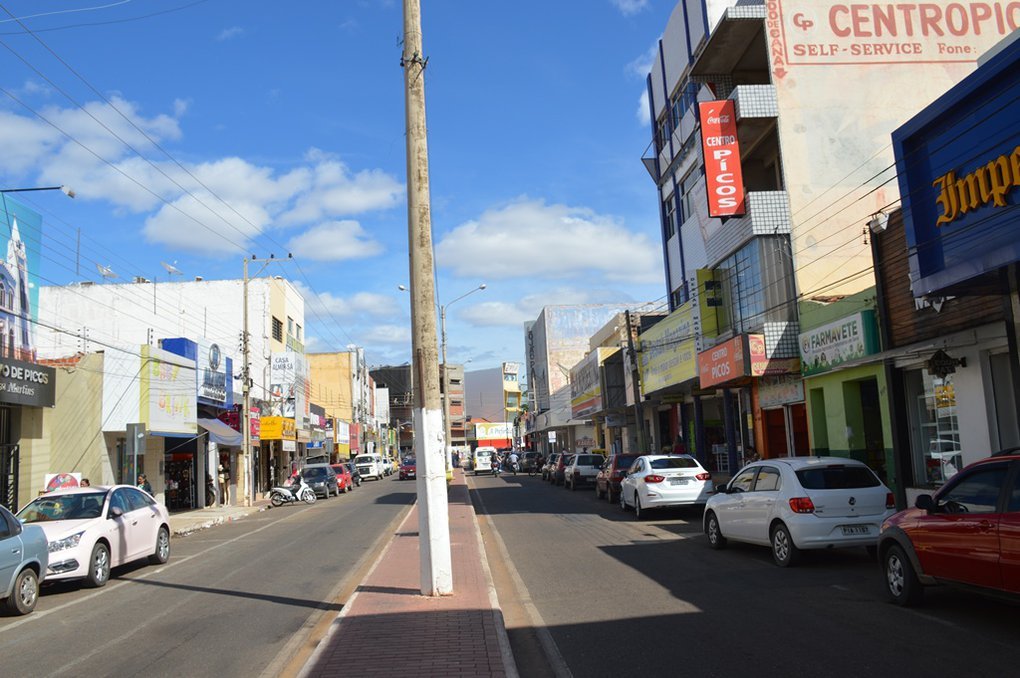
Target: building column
point(699, 432)
point(732, 433)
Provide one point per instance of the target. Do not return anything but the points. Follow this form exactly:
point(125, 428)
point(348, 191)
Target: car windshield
point(363, 460)
point(314, 473)
point(837, 478)
point(63, 507)
point(409, 461)
point(673, 462)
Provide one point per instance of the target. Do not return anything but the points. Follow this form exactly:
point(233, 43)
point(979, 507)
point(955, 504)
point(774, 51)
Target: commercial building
point(397, 380)
point(452, 386)
point(342, 385)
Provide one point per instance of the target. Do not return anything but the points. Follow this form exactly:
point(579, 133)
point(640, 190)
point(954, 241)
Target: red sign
point(723, 176)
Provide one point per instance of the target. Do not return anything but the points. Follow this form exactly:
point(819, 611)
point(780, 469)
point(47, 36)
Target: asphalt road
point(621, 597)
point(228, 603)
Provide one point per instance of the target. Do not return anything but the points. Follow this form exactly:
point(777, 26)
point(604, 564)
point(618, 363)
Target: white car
point(796, 503)
point(370, 466)
point(662, 480)
point(92, 529)
point(582, 470)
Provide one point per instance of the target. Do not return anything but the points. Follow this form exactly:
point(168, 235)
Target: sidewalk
point(388, 628)
point(199, 519)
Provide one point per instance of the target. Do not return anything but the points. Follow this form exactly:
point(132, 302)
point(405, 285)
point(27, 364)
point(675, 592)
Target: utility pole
point(430, 443)
point(246, 407)
point(635, 382)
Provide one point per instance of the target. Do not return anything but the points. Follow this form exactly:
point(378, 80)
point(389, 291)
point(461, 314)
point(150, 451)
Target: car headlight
point(66, 542)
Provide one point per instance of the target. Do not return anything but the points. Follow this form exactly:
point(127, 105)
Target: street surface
point(227, 604)
point(626, 598)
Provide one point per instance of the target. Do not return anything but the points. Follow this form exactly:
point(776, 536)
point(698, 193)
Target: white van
point(370, 466)
point(481, 462)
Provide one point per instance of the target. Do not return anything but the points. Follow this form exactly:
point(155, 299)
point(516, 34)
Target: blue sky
point(262, 127)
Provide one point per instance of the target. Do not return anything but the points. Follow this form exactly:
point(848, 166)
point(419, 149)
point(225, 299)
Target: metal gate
point(9, 461)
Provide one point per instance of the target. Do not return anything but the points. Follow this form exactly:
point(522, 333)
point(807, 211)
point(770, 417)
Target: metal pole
point(246, 411)
point(433, 518)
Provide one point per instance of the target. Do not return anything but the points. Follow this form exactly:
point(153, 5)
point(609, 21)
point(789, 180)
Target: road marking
point(35, 616)
point(552, 652)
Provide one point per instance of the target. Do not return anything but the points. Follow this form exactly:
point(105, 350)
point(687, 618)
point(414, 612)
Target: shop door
point(798, 426)
point(874, 440)
point(775, 433)
point(9, 463)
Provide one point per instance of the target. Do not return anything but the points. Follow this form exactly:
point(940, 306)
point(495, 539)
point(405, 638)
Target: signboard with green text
point(841, 341)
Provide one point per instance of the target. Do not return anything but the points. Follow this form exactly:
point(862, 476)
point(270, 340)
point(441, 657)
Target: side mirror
point(116, 512)
point(926, 503)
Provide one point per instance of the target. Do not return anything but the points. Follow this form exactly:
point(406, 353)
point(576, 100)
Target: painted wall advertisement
point(288, 386)
point(494, 431)
point(835, 124)
point(212, 371)
point(167, 392)
point(829, 346)
point(586, 384)
point(668, 351)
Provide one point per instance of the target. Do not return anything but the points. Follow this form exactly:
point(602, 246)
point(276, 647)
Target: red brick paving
point(389, 627)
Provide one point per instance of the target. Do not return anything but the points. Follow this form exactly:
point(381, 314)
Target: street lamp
point(63, 189)
point(446, 381)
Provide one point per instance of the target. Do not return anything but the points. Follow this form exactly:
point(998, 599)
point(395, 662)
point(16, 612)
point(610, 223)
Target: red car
point(344, 482)
point(607, 482)
point(967, 534)
point(408, 469)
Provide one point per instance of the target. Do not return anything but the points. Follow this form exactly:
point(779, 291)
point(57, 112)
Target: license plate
point(855, 530)
point(678, 481)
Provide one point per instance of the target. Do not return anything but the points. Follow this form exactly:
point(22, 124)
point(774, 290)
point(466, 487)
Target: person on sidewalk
point(224, 485)
point(143, 484)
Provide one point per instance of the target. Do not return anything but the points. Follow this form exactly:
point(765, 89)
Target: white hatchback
point(795, 503)
point(662, 480)
point(92, 529)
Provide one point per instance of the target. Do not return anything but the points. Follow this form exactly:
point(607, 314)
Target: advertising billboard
point(289, 386)
point(724, 179)
point(586, 383)
point(835, 119)
point(668, 351)
point(167, 392)
point(829, 346)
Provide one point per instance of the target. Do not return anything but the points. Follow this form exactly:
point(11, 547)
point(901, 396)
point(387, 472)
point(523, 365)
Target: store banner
point(212, 371)
point(276, 428)
point(493, 431)
point(167, 392)
point(24, 383)
point(586, 383)
point(723, 175)
point(723, 363)
point(781, 390)
point(829, 346)
point(668, 351)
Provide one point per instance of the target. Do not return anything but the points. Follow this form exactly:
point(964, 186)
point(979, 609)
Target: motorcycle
point(279, 496)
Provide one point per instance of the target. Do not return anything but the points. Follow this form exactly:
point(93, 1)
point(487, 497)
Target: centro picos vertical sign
point(724, 179)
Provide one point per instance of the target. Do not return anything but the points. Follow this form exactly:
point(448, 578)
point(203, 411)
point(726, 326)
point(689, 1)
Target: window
point(290, 326)
point(298, 335)
point(934, 428)
point(138, 500)
point(277, 329)
point(119, 500)
point(740, 276)
point(977, 492)
point(669, 216)
point(674, 462)
point(688, 206)
point(744, 480)
point(837, 478)
point(768, 479)
point(5, 525)
point(1014, 496)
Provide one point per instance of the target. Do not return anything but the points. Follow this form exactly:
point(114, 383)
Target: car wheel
point(99, 567)
point(784, 551)
point(637, 508)
point(715, 538)
point(25, 593)
point(901, 583)
point(162, 551)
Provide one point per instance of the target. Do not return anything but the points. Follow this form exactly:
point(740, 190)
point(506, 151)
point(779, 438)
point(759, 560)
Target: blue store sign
point(958, 163)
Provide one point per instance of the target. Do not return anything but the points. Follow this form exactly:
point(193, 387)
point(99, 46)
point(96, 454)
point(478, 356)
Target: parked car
point(408, 469)
point(344, 480)
point(530, 460)
point(607, 481)
point(92, 529)
point(662, 481)
point(481, 460)
point(355, 473)
point(797, 503)
point(582, 470)
point(550, 465)
point(965, 535)
point(559, 473)
point(370, 466)
point(322, 479)
point(23, 560)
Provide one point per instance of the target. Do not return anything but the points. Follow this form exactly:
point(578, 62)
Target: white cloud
point(514, 314)
point(549, 241)
point(642, 65)
point(642, 110)
point(334, 241)
point(629, 7)
point(393, 335)
point(184, 208)
point(358, 304)
point(228, 33)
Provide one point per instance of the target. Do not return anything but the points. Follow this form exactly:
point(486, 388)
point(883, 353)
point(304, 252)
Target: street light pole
point(446, 377)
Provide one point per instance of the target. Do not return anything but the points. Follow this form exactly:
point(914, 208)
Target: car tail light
point(802, 505)
point(704, 476)
point(890, 500)
point(654, 478)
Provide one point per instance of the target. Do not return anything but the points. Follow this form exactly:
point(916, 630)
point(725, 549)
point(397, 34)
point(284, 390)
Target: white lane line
point(36, 616)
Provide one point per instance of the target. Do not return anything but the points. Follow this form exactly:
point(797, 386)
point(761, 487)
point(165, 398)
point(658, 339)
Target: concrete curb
point(185, 530)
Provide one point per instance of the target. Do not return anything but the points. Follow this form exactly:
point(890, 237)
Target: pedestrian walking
point(143, 483)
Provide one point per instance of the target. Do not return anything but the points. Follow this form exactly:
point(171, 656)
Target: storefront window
point(934, 431)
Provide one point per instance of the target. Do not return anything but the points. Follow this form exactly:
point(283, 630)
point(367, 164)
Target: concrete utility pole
point(639, 420)
point(429, 441)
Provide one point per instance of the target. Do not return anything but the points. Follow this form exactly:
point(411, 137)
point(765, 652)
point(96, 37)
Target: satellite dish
point(171, 269)
point(106, 272)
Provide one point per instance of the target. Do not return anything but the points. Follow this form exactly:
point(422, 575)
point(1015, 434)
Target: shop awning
point(220, 433)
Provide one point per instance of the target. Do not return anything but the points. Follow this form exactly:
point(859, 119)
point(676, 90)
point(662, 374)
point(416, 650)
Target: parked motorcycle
point(279, 496)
